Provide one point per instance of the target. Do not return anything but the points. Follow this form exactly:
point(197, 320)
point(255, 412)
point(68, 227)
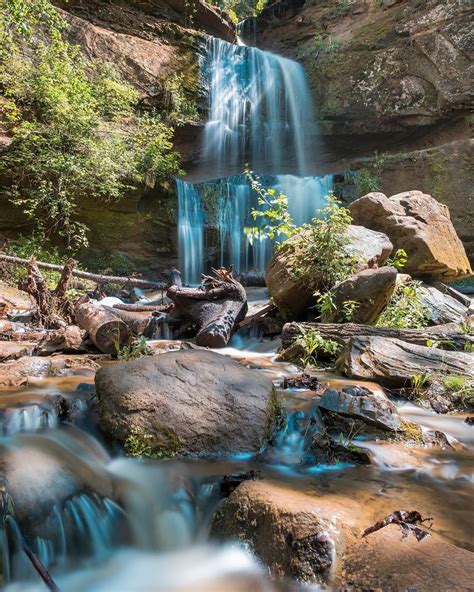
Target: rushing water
point(101, 522)
point(260, 110)
point(225, 204)
point(260, 113)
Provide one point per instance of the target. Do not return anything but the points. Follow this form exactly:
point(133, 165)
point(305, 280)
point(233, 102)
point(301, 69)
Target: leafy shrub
point(319, 254)
point(312, 342)
point(405, 309)
point(75, 124)
point(135, 350)
point(366, 182)
point(27, 246)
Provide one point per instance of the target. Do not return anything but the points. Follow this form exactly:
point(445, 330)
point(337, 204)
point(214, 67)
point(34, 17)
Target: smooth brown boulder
point(416, 222)
point(393, 362)
point(186, 402)
point(287, 529)
point(386, 561)
point(292, 297)
point(371, 289)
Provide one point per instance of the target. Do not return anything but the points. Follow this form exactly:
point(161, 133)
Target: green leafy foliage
point(37, 245)
point(399, 260)
point(135, 350)
point(418, 384)
point(320, 256)
point(75, 124)
point(312, 342)
point(405, 309)
point(239, 10)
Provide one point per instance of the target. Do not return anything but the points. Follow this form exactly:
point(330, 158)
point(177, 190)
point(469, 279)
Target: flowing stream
point(103, 522)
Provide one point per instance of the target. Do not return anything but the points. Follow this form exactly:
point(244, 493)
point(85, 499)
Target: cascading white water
point(232, 200)
point(260, 112)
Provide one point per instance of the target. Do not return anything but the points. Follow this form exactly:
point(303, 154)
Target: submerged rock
point(185, 402)
point(416, 222)
point(372, 407)
point(283, 527)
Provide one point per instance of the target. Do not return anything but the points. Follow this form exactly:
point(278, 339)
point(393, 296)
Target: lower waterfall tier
point(213, 215)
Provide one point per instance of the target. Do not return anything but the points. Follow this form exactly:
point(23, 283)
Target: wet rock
point(292, 297)
point(186, 402)
point(70, 340)
point(371, 289)
point(12, 350)
point(416, 222)
point(386, 561)
point(372, 407)
point(393, 362)
point(442, 308)
point(230, 482)
point(41, 472)
point(282, 526)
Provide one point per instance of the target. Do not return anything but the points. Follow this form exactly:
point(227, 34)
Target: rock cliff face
point(148, 41)
point(390, 77)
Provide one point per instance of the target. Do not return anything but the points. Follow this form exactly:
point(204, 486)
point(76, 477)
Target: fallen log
point(393, 363)
point(108, 332)
point(254, 279)
point(136, 321)
point(449, 333)
point(216, 307)
point(98, 278)
point(144, 307)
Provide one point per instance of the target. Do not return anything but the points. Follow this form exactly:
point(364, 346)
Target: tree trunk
point(216, 307)
point(172, 277)
point(343, 332)
point(107, 331)
point(137, 322)
point(394, 363)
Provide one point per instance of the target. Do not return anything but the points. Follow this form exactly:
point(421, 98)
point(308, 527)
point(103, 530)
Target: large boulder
point(442, 308)
point(416, 222)
point(356, 402)
point(186, 402)
point(371, 289)
point(285, 528)
point(292, 297)
point(393, 362)
point(386, 561)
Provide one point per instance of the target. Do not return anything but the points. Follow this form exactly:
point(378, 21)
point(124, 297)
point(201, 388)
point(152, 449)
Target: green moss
point(161, 444)
point(275, 415)
point(411, 432)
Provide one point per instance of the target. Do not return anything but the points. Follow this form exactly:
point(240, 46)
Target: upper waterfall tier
point(260, 111)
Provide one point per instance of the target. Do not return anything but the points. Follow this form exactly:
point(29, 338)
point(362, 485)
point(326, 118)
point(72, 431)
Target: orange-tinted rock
point(416, 222)
point(293, 298)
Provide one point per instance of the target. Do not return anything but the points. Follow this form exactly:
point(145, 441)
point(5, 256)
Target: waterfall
point(260, 112)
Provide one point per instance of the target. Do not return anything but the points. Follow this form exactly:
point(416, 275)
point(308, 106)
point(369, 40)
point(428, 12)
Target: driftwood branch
point(98, 278)
point(216, 307)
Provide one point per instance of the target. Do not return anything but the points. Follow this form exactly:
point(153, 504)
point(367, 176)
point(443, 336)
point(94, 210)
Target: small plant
point(348, 441)
point(341, 8)
point(454, 384)
point(418, 383)
point(367, 182)
point(399, 260)
point(405, 309)
point(311, 342)
point(138, 443)
point(330, 312)
point(135, 350)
